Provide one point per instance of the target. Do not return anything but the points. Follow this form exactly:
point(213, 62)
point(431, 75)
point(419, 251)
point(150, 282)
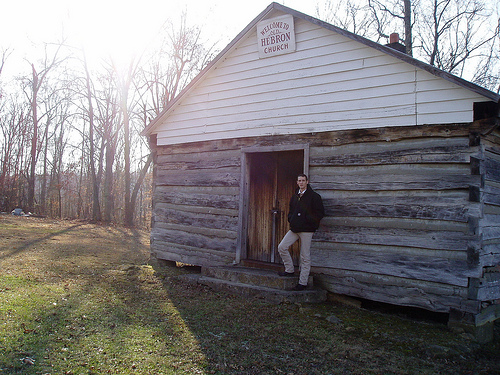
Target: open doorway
point(271, 182)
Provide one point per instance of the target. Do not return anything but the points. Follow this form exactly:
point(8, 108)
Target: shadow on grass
point(26, 245)
point(126, 317)
point(113, 322)
point(138, 319)
point(240, 336)
point(129, 320)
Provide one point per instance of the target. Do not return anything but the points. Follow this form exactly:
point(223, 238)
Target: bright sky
point(119, 27)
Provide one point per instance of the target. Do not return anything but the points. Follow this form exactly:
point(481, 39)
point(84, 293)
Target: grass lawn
point(79, 298)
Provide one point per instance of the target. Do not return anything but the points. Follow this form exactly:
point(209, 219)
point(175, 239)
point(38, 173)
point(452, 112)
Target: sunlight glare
point(111, 29)
point(115, 29)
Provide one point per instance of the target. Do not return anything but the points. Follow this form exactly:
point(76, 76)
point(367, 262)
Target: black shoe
point(299, 287)
point(287, 274)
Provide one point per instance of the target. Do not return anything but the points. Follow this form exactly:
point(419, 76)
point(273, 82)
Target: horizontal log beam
point(433, 208)
point(395, 290)
point(196, 219)
point(197, 240)
point(190, 255)
point(438, 270)
point(179, 196)
point(403, 154)
point(220, 177)
point(200, 160)
point(380, 180)
point(439, 240)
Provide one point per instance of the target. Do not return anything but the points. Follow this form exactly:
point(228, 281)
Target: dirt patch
point(80, 298)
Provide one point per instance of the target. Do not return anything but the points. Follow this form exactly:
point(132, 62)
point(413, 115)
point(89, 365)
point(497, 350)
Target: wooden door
point(273, 177)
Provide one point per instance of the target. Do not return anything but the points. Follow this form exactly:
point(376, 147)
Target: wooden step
point(253, 276)
point(257, 283)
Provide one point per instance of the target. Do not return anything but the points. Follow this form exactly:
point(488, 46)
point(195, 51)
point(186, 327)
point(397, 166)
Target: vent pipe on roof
point(394, 43)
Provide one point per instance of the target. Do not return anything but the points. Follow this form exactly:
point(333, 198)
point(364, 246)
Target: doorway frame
point(241, 248)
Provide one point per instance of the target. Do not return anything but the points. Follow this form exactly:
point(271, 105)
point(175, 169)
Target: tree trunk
point(137, 187)
point(34, 144)
point(42, 208)
point(435, 36)
point(124, 87)
point(108, 182)
point(408, 33)
point(129, 208)
point(96, 208)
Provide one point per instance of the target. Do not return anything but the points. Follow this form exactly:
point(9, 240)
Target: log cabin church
point(405, 156)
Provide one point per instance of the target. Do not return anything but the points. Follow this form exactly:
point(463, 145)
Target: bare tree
point(180, 58)
point(13, 143)
point(52, 122)
point(487, 72)
point(349, 15)
point(384, 12)
point(105, 112)
point(110, 125)
point(124, 83)
point(456, 33)
point(32, 91)
point(452, 35)
point(96, 207)
point(4, 55)
point(59, 143)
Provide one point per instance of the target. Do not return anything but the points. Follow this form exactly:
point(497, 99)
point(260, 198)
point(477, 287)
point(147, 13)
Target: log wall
point(195, 204)
point(412, 213)
point(489, 170)
point(486, 287)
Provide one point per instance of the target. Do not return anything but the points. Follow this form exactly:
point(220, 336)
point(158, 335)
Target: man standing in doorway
point(306, 211)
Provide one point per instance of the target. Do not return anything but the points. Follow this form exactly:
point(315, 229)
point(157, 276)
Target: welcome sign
point(276, 36)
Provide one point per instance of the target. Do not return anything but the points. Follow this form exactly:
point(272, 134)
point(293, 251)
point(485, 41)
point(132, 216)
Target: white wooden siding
point(330, 83)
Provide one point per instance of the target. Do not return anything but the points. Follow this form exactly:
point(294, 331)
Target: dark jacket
point(306, 212)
